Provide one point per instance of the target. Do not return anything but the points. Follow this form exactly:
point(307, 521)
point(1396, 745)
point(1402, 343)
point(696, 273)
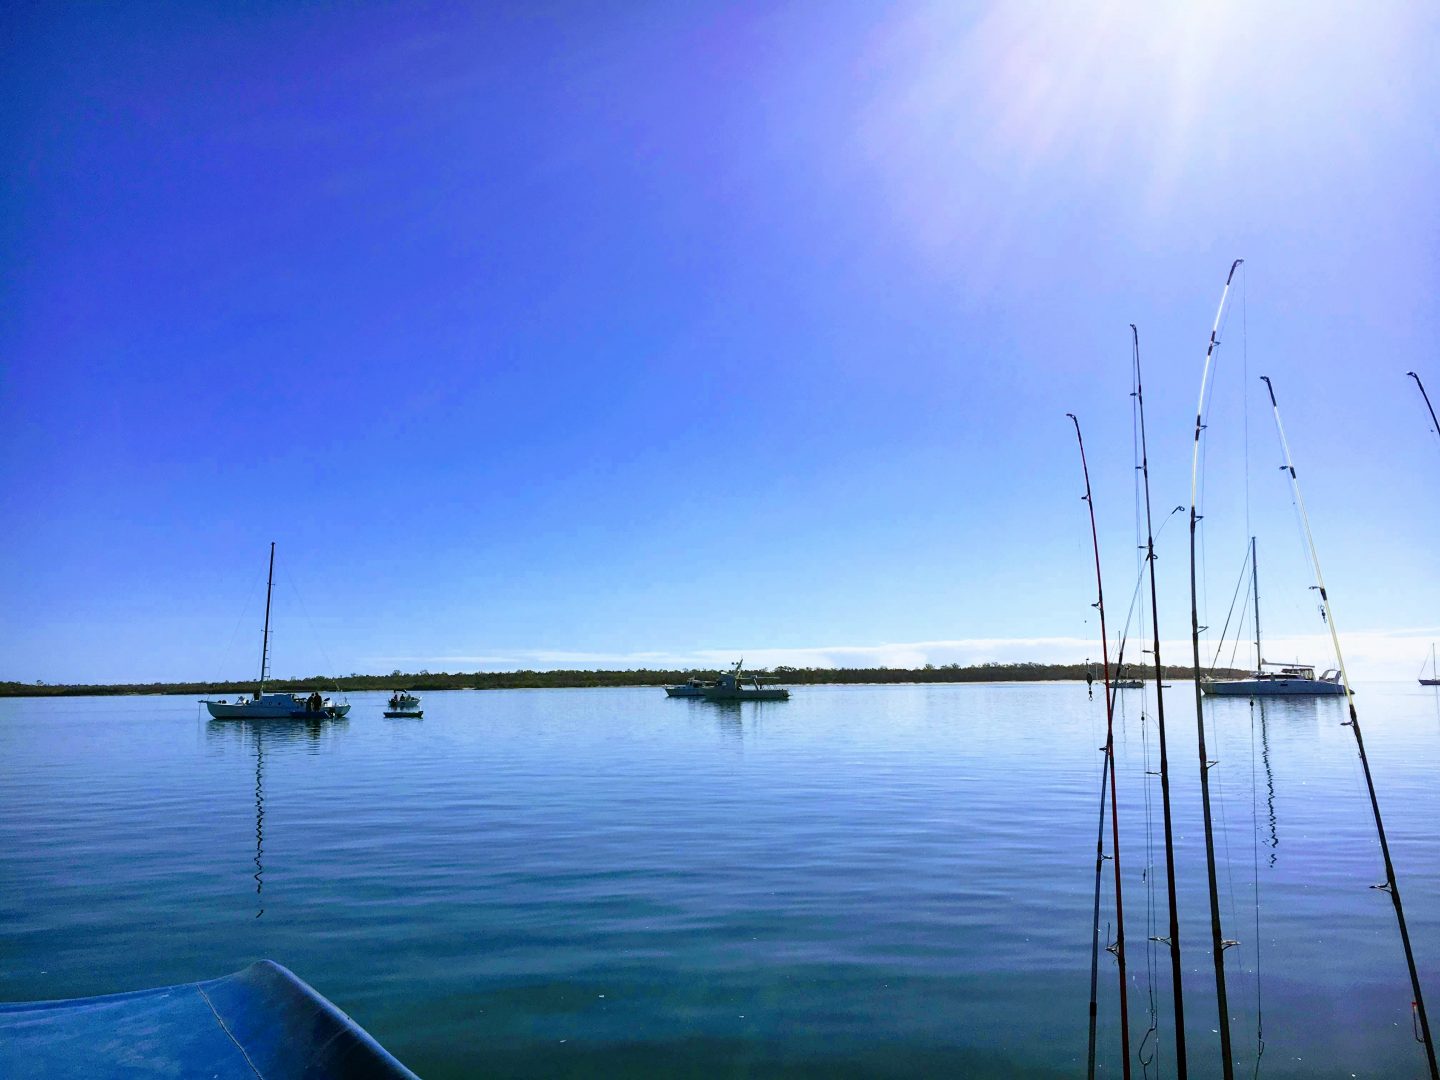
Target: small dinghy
point(260, 1022)
point(403, 704)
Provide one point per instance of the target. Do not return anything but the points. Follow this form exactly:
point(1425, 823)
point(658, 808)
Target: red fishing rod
point(1119, 946)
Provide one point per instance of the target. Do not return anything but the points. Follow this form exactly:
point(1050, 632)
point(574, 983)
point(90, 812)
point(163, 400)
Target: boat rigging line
point(1218, 943)
point(1173, 938)
point(1390, 885)
point(1119, 946)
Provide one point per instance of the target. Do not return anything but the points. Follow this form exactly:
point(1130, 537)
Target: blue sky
point(609, 335)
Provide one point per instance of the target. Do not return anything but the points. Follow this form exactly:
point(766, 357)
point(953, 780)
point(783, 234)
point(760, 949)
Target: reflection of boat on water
point(273, 706)
point(692, 687)
point(1292, 679)
point(270, 733)
point(263, 1021)
point(736, 685)
point(403, 705)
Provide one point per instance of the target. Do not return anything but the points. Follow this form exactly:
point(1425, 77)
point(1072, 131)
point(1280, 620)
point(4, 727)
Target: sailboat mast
point(265, 636)
point(1390, 886)
point(1180, 1060)
point(1110, 765)
point(1426, 396)
point(1217, 940)
point(1255, 588)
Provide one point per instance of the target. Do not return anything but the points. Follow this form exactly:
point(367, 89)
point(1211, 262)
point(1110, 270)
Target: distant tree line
point(526, 679)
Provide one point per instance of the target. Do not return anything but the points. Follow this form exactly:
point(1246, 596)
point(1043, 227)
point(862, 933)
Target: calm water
point(863, 880)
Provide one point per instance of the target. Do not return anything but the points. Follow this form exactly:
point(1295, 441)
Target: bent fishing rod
point(1174, 930)
point(1390, 885)
point(1426, 396)
point(1114, 804)
point(1218, 943)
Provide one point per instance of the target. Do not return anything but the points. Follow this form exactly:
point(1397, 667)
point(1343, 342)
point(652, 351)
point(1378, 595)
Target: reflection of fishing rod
point(1390, 885)
point(1119, 945)
point(1217, 939)
point(1174, 935)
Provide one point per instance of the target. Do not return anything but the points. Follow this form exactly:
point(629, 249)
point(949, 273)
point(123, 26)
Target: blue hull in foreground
point(262, 1021)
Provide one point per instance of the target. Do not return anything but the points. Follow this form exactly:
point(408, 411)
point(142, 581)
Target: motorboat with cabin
point(738, 685)
point(692, 687)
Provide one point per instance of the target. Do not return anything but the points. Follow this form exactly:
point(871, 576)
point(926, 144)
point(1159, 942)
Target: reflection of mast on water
point(1269, 778)
point(259, 822)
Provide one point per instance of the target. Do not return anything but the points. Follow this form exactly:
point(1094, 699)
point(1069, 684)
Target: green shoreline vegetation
point(570, 679)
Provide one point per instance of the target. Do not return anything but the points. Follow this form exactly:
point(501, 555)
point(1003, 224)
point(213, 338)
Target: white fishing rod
point(1218, 943)
point(1390, 884)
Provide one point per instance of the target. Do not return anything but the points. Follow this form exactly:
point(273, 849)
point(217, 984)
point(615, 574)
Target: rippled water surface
point(864, 880)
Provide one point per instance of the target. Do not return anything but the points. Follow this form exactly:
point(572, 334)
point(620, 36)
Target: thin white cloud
point(1369, 654)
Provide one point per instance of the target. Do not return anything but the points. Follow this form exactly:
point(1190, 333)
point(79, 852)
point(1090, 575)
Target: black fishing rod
point(1110, 766)
point(1218, 944)
point(1095, 928)
point(1426, 396)
point(1390, 886)
point(1174, 937)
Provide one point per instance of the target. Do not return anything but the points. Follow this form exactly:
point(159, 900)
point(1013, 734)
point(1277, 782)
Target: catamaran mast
point(1426, 396)
point(1110, 765)
point(1255, 589)
point(1390, 886)
point(265, 636)
point(1174, 935)
point(1217, 939)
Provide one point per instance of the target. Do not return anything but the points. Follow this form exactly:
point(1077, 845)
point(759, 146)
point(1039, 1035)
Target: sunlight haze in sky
point(655, 334)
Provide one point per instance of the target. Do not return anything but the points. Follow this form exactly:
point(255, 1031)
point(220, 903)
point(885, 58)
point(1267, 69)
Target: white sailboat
point(274, 706)
point(1270, 679)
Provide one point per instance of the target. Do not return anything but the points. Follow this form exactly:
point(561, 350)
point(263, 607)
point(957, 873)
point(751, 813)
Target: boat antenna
point(1390, 885)
point(1119, 945)
point(1173, 939)
point(1218, 943)
point(1426, 396)
point(265, 635)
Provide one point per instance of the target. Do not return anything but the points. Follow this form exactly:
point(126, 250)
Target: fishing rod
point(1426, 396)
point(1174, 935)
point(1095, 928)
point(1218, 943)
point(1391, 885)
point(1110, 765)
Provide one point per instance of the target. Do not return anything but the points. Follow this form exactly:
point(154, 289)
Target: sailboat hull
point(1274, 688)
point(269, 709)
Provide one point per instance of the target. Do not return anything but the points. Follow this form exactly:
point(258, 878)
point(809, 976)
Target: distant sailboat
point(1434, 679)
point(274, 706)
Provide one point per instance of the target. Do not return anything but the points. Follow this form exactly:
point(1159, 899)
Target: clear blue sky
point(602, 335)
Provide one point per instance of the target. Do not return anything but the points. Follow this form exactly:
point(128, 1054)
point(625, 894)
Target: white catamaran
point(273, 706)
